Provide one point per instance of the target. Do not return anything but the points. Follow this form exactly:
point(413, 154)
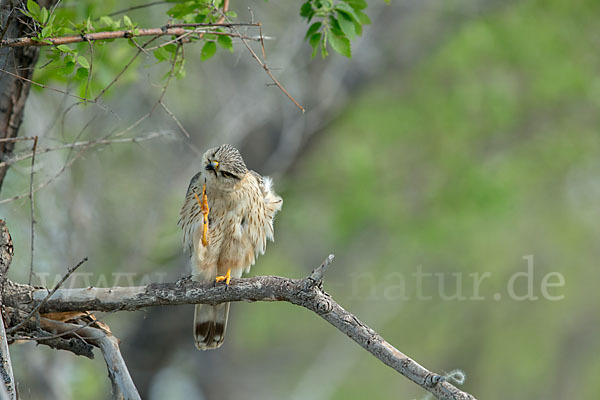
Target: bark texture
point(14, 91)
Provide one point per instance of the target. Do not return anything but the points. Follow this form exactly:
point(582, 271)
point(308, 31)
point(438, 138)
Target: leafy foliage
point(339, 22)
point(332, 22)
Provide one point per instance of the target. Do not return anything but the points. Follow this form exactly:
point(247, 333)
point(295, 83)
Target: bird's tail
point(210, 323)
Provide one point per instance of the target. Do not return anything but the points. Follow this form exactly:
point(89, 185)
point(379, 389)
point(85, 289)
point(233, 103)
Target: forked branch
point(305, 292)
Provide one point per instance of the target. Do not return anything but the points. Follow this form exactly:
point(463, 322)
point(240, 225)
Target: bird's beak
point(212, 166)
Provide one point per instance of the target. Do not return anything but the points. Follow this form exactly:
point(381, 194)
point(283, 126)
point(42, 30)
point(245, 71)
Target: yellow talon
point(226, 277)
point(204, 206)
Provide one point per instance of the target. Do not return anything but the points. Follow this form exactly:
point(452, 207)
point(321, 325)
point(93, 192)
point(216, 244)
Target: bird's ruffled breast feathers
point(273, 202)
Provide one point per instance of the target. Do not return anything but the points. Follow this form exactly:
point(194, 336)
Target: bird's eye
point(226, 174)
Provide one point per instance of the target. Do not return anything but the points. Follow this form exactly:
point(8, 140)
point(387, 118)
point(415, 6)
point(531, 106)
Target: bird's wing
point(190, 216)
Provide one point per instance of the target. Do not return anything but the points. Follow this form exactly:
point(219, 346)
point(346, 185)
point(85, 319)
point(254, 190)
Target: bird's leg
point(204, 206)
point(226, 277)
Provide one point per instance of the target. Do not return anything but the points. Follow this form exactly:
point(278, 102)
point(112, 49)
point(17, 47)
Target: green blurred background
point(461, 137)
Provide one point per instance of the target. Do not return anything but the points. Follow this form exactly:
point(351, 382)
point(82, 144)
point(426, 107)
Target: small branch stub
point(316, 277)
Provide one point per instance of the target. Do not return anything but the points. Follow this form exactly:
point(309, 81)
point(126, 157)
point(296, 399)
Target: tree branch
point(122, 384)
point(307, 293)
point(167, 30)
point(6, 373)
point(7, 388)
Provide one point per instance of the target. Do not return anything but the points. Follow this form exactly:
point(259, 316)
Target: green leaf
point(43, 15)
point(106, 20)
point(180, 10)
point(208, 50)
point(52, 55)
point(357, 4)
point(358, 28)
point(81, 60)
point(88, 25)
point(47, 31)
point(346, 22)
point(210, 36)
point(306, 10)
point(162, 54)
point(82, 73)
point(33, 8)
point(312, 29)
point(64, 48)
point(180, 74)
point(67, 69)
point(171, 48)
point(314, 42)
point(340, 43)
point(225, 42)
point(363, 18)
point(333, 23)
point(344, 7)
point(127, 21)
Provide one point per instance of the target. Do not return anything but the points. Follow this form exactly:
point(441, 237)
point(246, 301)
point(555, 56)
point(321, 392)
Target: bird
point(227, 218)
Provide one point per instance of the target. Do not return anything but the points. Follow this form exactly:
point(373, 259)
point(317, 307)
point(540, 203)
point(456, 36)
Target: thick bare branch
point(305, 292)
point(7, 388)
point(6, 373)
point(6, 254)
point(122, 384)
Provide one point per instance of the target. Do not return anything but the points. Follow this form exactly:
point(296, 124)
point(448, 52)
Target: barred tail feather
point(210, 323)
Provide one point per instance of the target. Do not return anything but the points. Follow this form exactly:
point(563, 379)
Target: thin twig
point(108, 35)
point(166, 85)
point(85, 146)
point(185, 38)
point(32, 207)
point(44, 86)
point(93, 142)
point(49, 181)
point(224, 13)
point(91, 70)
point(125, 10)
point(17, 139)
point(164, 107)
point(116, 78)
point(43, 302)
point(263, 65)
point(217, 24)
point(140, 48)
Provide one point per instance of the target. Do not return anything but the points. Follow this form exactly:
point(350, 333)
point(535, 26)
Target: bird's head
point(223, 167)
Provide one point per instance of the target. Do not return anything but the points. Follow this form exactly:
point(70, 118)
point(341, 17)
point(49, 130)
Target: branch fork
point(307, 292)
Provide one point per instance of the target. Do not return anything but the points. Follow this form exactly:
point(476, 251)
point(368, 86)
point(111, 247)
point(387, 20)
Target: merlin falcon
point(227, 219)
